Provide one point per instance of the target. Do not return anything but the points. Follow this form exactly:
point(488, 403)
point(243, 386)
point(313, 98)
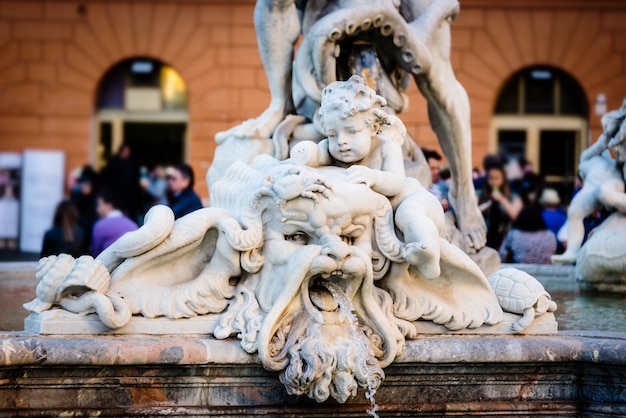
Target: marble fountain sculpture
point(323, 264)
point(322, 258)
point(600, 262)
point(388, 43)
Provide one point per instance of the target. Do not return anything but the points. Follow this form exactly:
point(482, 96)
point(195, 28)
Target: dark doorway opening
point(156, 143)
point(512, 143)
point(557, 154)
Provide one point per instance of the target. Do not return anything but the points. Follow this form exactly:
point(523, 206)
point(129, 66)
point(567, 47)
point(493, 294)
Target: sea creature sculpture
point(519, 292)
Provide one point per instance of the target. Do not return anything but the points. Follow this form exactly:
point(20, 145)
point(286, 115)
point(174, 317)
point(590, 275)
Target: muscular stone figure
point(420, 32)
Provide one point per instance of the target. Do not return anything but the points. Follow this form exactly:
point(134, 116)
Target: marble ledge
point(23, 349)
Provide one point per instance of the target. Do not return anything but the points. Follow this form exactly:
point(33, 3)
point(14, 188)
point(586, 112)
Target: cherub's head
point(612, 120)
point(351, 114)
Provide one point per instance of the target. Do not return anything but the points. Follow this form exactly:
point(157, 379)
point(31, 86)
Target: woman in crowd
point(529, 241)
point(66, 235)
point(498, 205)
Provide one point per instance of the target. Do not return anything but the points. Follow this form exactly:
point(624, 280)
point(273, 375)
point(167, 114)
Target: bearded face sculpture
point(322, 324)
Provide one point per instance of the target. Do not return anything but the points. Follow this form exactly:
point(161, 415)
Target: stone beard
point(317, 269)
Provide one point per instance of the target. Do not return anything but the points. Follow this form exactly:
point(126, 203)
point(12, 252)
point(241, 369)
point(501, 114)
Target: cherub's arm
point(392, 175)
point(389, 180)
point(311, 154)
point(610, 127)
point(596, 148)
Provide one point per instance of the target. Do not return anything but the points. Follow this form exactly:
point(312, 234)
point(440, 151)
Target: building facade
point(73, 77)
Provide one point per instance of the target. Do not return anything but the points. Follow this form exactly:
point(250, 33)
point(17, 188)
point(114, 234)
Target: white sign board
point(42, 189)
point(10, 165)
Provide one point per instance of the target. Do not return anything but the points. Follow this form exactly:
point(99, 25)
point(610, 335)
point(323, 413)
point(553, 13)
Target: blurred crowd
point(103, 206)
point(525, 219)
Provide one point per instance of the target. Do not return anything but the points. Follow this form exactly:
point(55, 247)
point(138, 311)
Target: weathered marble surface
point(567, 375)
point(60, 322)
point(601, 262)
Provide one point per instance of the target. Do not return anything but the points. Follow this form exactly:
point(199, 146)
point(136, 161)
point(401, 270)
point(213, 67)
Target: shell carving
point(88, 273)
point(61, 276)
point(51, 271)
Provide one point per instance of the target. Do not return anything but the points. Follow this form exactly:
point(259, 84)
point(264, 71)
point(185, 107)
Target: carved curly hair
point(352, 97)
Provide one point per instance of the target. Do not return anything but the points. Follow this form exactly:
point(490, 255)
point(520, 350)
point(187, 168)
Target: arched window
point(541, 114)
point(542, 91)
point(142, 102)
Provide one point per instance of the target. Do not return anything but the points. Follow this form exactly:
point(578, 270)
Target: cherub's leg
point(277, 28)
point(583, 204)
point(420, 223)
point(449, 113)
point(612, 194)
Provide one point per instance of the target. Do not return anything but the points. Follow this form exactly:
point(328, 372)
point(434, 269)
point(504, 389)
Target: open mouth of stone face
point(320, 297)
point(326, 295)
point(319, 294)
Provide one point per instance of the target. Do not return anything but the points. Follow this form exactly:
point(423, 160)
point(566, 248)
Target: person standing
point(112, 223)
point(498, 205)
point(182, 199)
point(434, 164)
point(529, 241)
point(122, 175)
point(552, 214)
point(66, 235)
point(83, 196)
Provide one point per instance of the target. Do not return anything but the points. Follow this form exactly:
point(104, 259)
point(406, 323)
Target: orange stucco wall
point(53, 54)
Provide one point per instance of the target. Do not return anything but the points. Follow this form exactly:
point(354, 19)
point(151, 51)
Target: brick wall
point(493, 40)
point(53, 54)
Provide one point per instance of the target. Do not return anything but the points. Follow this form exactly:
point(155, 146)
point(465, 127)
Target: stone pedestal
point(192, 376)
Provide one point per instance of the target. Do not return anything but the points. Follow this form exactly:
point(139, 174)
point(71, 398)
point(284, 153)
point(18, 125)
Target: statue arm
point(311, 154)
point(596, 148)
point(390, 180)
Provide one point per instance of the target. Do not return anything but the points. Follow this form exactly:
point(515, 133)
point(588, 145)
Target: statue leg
point(420, 219)
point(584, 203)
point(449, 114)
point(527, 318)
point(612, 194)
point(277, 28)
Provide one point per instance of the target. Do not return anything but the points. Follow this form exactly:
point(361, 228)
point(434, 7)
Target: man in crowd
point(112, 223)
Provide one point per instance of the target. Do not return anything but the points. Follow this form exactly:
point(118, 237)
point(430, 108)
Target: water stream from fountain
point(347, 309)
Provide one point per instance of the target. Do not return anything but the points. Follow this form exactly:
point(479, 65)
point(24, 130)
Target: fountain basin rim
point(24, 349)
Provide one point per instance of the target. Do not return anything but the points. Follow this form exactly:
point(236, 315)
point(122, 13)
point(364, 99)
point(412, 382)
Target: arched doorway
point(142, 102)
point(541, 114)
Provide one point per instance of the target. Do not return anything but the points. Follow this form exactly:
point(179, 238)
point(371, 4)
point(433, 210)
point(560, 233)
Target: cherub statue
point(603, 181)
point(365, 140)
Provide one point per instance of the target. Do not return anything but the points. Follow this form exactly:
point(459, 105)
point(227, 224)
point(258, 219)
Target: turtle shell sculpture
point(519, 292)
